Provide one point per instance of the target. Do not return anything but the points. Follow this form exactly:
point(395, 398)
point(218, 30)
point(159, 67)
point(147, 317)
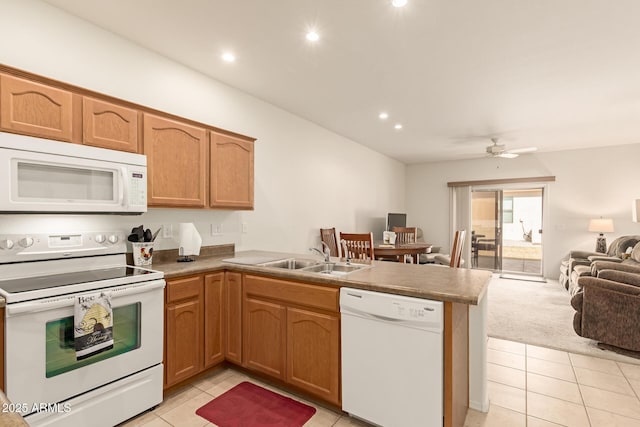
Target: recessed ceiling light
point(228, 57)
point(399, 3)
point(398, 126)
point(312, 36)
point(383, 116)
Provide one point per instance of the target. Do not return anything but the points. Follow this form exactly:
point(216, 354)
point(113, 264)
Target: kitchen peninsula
point(224, 305)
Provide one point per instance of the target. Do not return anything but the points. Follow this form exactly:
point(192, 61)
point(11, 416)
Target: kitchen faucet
point(326, 254)
point(345, 251)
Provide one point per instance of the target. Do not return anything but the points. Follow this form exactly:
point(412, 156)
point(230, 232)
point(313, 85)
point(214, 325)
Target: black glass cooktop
point(77, 277)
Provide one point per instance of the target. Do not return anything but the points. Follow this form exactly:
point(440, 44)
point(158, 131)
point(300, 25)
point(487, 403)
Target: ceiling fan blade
point(507, 155)
point(524, 150)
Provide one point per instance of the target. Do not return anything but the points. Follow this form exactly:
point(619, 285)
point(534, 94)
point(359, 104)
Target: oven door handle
point(69, 300)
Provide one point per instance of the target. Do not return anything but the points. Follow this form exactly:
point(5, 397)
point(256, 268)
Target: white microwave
point(43, 176)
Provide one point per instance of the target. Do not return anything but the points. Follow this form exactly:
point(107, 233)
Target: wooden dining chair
point(328, 236)
point(455, 258)
point(405, 234)
point(357, 245)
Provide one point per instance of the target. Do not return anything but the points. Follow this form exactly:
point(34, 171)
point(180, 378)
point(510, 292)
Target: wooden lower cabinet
point(313, 353)
point(264, 337)
point(287, 330)
point(213, 319)
point(184, 329)
point(291, 331)
point(232, 303)
point(195, 313)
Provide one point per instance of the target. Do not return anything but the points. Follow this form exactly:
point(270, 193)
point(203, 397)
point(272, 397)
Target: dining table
point(383, 249)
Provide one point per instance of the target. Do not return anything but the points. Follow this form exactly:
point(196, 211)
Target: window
point(507, 210)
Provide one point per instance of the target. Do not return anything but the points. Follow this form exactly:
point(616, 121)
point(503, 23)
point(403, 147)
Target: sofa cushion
point(635, 254)
point(620, 245)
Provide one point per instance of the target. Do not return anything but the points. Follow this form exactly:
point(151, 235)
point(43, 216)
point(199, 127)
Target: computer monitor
point(396, 220)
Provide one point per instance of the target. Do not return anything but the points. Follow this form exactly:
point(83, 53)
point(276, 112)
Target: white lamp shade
point(636, 210)
point(601, 225)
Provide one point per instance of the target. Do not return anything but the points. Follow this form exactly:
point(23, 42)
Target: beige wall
point(306, 177)
point(589, 183)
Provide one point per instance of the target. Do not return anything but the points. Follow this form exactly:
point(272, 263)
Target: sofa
point(607, 307)
point(578, 263)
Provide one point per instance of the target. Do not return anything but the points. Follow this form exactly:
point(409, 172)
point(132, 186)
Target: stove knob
point(113, 238)
point(26, 242)
point(6, 244)
point(100, 238)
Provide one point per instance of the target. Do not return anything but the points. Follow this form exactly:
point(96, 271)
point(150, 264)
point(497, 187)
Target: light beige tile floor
point(529, 386)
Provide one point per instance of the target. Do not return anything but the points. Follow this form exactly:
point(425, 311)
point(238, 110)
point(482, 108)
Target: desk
point(381, 249)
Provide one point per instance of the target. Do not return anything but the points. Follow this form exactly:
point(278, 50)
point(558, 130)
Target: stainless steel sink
point(315, 266)
point(334, 269)
point(291, 263)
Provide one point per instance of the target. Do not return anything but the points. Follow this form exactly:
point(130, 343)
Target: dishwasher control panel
point(414, 312)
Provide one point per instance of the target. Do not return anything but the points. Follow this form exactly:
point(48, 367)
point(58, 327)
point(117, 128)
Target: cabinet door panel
point(231, 174)
point(313, 353)
point(213, 315)
point(35, 109)
point(176, 162)
point(108, 125)
point(264, 337)
point(233, 317)
point(183, 340)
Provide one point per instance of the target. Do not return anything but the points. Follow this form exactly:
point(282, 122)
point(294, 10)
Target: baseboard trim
point(524, 277)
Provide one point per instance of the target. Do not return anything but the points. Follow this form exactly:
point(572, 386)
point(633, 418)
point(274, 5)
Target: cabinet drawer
point(183, 288)
point(316, 296)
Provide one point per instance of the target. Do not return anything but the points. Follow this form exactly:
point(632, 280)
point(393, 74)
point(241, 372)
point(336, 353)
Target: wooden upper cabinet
point(36, 109)
point(176, 162)
point(109, 125)
point(231, 172)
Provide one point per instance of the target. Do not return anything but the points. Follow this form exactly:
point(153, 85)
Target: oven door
point(41, 363)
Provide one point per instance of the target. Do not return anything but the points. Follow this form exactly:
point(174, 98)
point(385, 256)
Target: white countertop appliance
point(392, 360)
point(41, 278)
point(43, 176)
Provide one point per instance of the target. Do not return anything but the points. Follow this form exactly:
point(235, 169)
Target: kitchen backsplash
point(215, 227)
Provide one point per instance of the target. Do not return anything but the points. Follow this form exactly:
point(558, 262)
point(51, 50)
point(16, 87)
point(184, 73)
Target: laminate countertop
point(428, 281)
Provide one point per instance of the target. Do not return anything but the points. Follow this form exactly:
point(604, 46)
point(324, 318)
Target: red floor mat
point(248, 405)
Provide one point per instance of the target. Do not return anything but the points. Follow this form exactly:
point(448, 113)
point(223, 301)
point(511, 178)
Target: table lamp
point(601, 225)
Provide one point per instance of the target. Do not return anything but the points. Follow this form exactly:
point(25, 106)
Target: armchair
point(608, 309)
point(578, 263)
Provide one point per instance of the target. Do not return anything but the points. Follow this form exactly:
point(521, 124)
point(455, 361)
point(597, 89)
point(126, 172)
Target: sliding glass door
point(486, 229)
point(506, 226)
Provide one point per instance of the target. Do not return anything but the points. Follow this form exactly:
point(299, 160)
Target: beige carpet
point(539, 314)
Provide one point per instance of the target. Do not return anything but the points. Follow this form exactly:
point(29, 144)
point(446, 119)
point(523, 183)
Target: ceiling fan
point(500, 150)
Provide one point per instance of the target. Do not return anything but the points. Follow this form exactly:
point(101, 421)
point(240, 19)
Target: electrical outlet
point(245, 227)
point(216, 229)
point(167, 231)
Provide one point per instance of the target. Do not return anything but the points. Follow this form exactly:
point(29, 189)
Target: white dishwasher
point(392, 365)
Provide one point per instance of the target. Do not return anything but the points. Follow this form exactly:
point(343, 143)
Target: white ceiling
point(546, 73)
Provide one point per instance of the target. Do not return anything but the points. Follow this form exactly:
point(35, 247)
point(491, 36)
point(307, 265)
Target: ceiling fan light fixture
point(399, 3)
point(398, 126)
point(383, 115)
